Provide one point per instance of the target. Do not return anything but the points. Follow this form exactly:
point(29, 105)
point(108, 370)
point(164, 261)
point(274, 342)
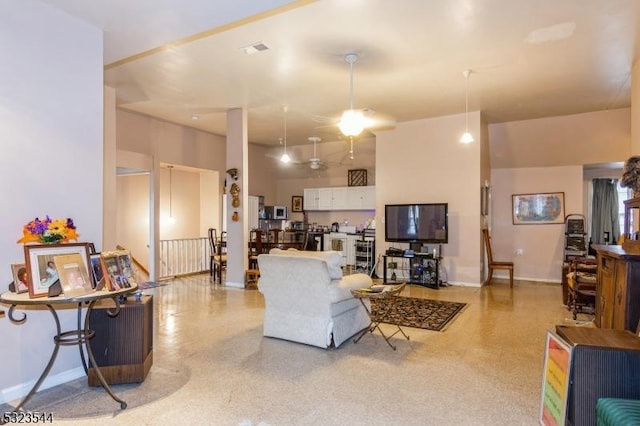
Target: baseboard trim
point(19, 391)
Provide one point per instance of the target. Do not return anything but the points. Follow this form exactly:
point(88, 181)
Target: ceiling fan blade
point(378, 121)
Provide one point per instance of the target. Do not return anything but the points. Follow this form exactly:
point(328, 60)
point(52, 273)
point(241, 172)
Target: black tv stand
point(423, 269)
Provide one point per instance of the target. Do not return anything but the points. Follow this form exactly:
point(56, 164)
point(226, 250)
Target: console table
point(81, 336)
point(423, 269)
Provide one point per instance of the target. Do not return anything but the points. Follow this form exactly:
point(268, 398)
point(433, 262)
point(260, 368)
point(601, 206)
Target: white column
point(635, 108)
point(237, 233)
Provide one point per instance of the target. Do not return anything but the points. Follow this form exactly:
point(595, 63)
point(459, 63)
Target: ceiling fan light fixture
point(352, 122)
point(467, 137)
point(285, 158)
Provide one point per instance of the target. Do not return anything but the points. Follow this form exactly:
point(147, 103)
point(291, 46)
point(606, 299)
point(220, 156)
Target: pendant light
point(466, 136)
point(285, 157)
point(352, 122)
point(171, 218)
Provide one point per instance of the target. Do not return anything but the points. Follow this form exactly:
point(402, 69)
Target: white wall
point(542, 245)
point(423, 161)
point(51, 115)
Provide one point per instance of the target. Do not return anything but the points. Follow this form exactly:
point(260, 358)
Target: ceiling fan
point(354, 121)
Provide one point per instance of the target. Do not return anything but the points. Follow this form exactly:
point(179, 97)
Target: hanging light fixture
point(171, 218)
point(285, 157)
point(466, 136)
point(352, 122)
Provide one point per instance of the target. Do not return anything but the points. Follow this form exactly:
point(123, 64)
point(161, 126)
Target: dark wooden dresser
point(618, 288)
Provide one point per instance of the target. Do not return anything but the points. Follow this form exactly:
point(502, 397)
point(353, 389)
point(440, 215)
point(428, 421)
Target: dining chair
point(495, 264)
point(218, 260)
point(255, 247)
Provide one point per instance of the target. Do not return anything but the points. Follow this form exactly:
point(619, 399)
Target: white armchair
point(307, 299)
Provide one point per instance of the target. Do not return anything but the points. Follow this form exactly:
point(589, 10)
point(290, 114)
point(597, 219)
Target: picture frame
point(538, 208)
point(297, 203)
point(357, 177)
point(20, 277)
point(41, 270)
point(74, 274)
point(97, 270)
point(118, 269)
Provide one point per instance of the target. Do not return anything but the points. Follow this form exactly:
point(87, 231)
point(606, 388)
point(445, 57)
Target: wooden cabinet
point(618, 288)
point(122, 345)
point(340, 198)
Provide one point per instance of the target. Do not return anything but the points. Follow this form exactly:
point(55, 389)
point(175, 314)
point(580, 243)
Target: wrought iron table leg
point(373, 325)
point(92, 360)
point(52, 359)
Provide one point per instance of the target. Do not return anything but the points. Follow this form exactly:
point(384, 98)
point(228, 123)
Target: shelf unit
point(575, 246)
point(365, 256)
point(423, 269)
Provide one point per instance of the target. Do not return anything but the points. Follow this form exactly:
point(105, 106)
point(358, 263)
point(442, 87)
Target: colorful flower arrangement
point(49, 231)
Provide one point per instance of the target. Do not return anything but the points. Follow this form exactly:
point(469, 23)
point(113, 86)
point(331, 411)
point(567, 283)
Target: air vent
point(255, 48)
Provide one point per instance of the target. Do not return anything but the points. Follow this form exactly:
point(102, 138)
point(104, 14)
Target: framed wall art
point(41, 267)
point(357, 177)
point(538, 209)
point(296, 203)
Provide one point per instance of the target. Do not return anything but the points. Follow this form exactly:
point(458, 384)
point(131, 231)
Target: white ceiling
point(172, 59)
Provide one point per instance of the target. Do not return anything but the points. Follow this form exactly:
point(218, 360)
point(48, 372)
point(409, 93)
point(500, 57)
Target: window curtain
point(604, 211)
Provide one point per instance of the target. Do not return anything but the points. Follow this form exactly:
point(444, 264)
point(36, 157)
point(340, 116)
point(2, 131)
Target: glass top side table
point(388, 292)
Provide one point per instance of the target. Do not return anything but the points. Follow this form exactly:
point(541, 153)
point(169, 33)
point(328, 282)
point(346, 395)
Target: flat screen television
point(416, 223)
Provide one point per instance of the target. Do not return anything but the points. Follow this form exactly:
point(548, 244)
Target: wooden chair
point(256, 247)
point(582, 281)
point(494, 264)
point(218, 259)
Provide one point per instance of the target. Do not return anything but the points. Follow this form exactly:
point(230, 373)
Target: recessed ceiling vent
point(255, 48)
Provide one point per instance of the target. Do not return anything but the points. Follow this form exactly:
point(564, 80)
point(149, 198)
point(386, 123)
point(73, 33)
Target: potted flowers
point(49, 230)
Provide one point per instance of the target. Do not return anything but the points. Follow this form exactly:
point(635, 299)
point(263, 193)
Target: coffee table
point(388, 292)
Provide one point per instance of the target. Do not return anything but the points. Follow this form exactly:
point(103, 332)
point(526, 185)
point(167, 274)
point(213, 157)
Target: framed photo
point(118, 270)
point(538, 209)
point(41, 267)
point(73, 273)
point(20, 279)
point(97, 271)
point(296, 203)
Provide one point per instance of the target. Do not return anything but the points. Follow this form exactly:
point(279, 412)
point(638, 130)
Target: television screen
point(423, 223)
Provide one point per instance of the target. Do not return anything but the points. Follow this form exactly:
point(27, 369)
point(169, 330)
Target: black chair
point(218, 259)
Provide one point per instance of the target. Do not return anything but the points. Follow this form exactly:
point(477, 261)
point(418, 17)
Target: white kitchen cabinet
point(311, 199)
point(325, 199)
point(361, 198)
point(340, 198)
